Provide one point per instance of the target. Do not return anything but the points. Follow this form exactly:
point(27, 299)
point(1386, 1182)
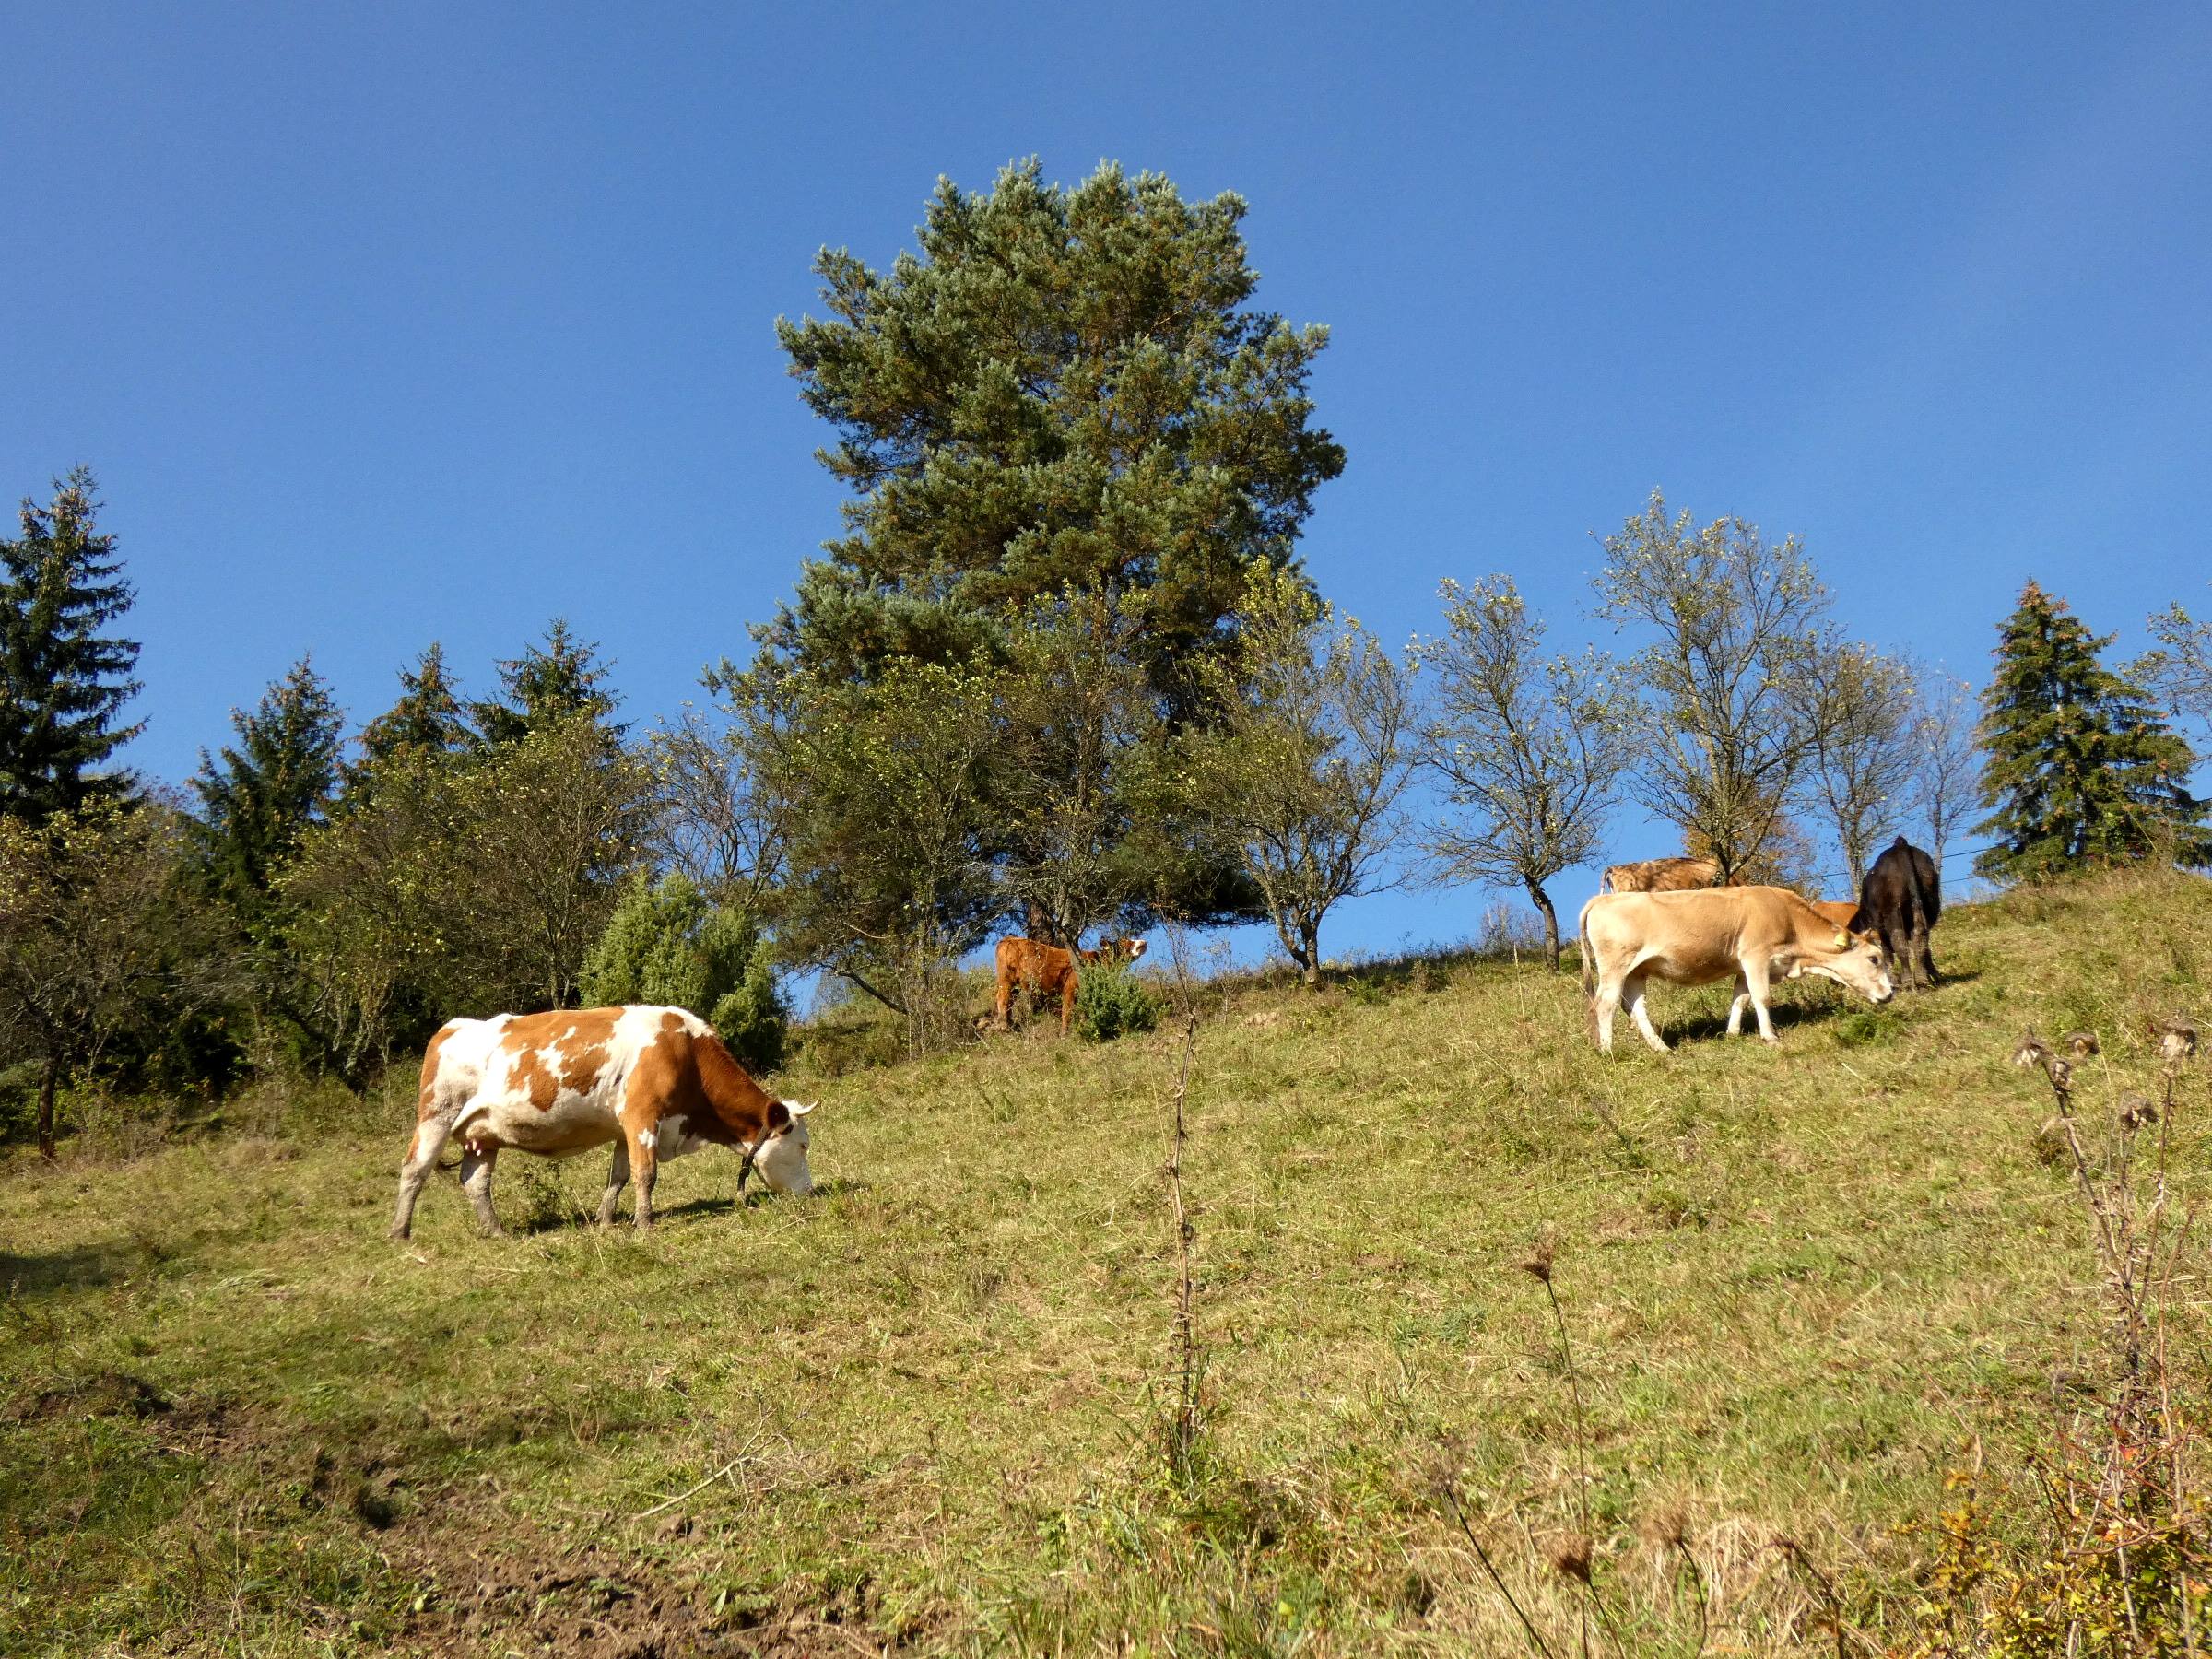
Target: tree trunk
point(48, 1082)
point(1551, 923)
point(1308, 961)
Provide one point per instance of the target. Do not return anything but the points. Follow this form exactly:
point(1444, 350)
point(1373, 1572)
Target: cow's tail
point(1581, 947)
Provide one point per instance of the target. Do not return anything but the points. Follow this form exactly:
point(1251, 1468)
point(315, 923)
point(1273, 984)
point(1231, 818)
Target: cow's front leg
point(617, 1177)
point(1633, 992)
point(644, 1165)
point(477, 1164)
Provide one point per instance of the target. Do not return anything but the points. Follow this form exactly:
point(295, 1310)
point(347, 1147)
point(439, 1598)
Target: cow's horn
point(796, 1110)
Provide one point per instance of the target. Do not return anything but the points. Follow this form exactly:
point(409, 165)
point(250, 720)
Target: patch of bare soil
point(492, 1584)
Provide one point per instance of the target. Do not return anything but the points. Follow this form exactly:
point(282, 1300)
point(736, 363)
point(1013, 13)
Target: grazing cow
point(1114, 950)
point(1698, 938)
point(1661, 876)
point(1900, 899)
point(657, 1082)
point(1046, 969)
point(1049, 970)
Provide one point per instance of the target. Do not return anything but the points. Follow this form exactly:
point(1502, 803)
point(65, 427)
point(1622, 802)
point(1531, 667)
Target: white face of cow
point(783, 1161)
point(1859, 964)
point(1135, 949)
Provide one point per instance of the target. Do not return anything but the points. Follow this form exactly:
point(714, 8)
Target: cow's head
point(1851, 960)
point(782, 1160)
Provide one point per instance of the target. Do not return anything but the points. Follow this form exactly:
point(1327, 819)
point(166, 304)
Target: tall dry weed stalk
point(1605, 1613)
point(1182, 1422)
point(1185, 1425)
point(2115, 1554)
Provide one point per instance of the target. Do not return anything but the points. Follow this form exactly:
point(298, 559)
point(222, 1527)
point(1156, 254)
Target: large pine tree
point(64, 679)
point(259, 798)
point(1072, 438)
point(1063, 389)
point(2081, 772)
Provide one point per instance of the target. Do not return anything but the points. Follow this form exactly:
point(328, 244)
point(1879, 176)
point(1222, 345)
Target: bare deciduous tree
point(1856, 706)
point(2179, 668)
point(1947, 763)
point(1302, 774)
point(714, 822)
point(1735, 618)
point(1531, 748)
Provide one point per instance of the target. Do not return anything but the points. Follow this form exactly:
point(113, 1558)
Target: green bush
point(1113, 1002)
point(668, 944)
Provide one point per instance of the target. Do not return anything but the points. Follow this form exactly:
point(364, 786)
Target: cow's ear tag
point(1842, 940)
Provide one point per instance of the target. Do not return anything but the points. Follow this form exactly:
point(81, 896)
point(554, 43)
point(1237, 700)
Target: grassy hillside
point(925, 1407)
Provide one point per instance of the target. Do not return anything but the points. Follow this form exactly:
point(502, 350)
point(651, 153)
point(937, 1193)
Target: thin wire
point(1946, 858)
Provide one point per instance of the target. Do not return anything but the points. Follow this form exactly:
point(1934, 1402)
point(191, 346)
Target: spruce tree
point(260, 797)
point(2081, 770)
point(62, 678)
point(547, 686)
point(428, 717)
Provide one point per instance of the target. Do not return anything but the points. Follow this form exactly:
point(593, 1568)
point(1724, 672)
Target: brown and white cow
point(657, 1082)
point(1660, 876)
point(1694, 938)
point(1113, 951)
point(1050, 970)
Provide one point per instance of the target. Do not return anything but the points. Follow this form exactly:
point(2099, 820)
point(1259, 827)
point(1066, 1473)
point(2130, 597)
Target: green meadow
point(929, 1408)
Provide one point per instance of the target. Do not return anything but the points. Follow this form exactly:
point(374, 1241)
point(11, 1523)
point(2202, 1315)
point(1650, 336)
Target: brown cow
point(1661, 876)
point(657, 1082)
point(1049, 970)
point(1695, 938)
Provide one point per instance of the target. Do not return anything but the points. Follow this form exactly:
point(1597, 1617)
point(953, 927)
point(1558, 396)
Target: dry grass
point(1796, 1281)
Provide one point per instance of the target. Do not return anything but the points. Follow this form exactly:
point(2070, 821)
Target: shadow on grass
point(1708, 1027)
point(87, 1267)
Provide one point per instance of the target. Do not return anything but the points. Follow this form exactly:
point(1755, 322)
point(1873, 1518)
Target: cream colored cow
point(1695, 938)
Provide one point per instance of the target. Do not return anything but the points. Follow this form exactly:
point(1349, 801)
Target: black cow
point(1899, 899)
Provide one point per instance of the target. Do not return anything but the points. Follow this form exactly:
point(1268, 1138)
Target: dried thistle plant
point(2175, 1039)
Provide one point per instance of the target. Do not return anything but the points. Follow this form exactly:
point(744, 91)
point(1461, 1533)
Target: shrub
point(668, 944)
point(1113, 1002)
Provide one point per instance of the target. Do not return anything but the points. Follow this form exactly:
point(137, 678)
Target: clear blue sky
point(390, 323)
